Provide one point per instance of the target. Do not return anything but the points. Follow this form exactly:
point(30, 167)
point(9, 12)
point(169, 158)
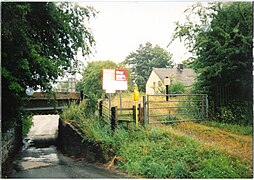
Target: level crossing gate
point(158, 109)
point(175, 108)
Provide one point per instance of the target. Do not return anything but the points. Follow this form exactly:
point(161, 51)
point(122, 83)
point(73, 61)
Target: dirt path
point(230, 143)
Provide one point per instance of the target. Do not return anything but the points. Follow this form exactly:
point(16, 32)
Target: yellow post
point(136, 99)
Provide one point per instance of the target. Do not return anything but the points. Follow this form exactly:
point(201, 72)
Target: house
point(155, 82)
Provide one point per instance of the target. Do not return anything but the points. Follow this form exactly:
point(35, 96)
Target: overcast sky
point(120, 27)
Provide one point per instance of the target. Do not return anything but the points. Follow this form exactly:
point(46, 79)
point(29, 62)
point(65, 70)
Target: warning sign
point(121, 75)
point(115, 79)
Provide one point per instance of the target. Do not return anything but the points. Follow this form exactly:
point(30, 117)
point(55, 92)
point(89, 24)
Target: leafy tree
point(39, 42)
point(222, 43)
point(144, 59)
point(92, 77)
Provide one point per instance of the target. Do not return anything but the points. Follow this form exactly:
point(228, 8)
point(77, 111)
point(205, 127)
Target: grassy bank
point(237, 129)
point(158, 152)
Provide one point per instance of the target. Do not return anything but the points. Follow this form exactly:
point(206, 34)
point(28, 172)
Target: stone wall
point(11, 142)
point(71, 142)
point(8, 139)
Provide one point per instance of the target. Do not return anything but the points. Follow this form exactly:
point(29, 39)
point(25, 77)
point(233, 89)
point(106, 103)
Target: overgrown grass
point(237, 129)
point(153, 153)
point(156, 153)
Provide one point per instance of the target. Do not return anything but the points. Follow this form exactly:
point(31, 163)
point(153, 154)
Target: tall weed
point(157, 153)
point(27, 122)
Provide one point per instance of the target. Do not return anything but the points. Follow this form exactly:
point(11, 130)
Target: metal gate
point(176, 108)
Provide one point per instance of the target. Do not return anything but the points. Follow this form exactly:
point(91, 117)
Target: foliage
point(237, 129)
point(169, 118)
point(39, 42)
point(176, 88)
point(91, 83)
point(92, 77)
point(75, 112)
point(144, 59)
point(154, 153)
point(236, 113)
point(26, 124)
point(157, 153)
point(220, 37)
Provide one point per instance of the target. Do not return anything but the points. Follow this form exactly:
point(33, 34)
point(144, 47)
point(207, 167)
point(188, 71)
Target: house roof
point(187, 76)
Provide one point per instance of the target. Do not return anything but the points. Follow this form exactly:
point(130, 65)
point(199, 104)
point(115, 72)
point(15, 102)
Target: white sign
point(121, 79)
point(110, 90)
point(166, 81)
point(114, 80)
point(108, 79)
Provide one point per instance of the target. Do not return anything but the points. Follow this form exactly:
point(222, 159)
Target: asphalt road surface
point(39, 157)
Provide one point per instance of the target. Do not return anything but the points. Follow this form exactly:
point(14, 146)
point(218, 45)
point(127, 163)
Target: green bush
point(236, 113)
point(176, 88)
point(76, 112)
point(27, 122)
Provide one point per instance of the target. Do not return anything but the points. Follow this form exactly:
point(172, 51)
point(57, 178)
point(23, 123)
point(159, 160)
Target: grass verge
point(237, 129)
point(157, 153)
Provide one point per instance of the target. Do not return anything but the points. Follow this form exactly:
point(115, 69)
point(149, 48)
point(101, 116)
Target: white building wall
point(151, 82)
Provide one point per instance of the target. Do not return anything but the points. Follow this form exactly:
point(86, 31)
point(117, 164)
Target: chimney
point(180, 67)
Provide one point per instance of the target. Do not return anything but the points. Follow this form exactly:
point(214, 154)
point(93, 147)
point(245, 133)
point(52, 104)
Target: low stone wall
point(8, 141)
point(71, 142)
point(11, 142)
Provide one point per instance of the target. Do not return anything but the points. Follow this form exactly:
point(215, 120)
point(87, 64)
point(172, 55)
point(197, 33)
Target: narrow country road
point(40, 158)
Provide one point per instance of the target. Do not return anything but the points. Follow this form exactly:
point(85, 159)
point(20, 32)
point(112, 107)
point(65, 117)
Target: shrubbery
point(236, 113)
point(176, 88)
point(26, 124)
point(157, 153)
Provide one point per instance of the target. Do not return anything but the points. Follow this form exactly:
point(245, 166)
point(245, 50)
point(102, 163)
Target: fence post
point(141, 114)
point(100, 109)
point(81, 95)
point(144, 109)
point(203, 107)
point(113, 119)
point(206, 99)
point(134, 113)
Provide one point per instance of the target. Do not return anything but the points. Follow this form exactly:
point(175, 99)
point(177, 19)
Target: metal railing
point(158, 109)
point(176, 108)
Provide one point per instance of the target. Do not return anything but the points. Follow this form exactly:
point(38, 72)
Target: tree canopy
point(222, 42)
point(39, 42)
point(144, 59)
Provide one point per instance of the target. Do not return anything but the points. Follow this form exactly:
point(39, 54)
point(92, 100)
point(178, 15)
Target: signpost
point(121, 77)
point(115, 79)
point(136, 99)
point(167, 83)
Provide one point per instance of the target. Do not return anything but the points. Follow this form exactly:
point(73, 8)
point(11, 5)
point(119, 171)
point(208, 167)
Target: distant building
point(155, 82)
